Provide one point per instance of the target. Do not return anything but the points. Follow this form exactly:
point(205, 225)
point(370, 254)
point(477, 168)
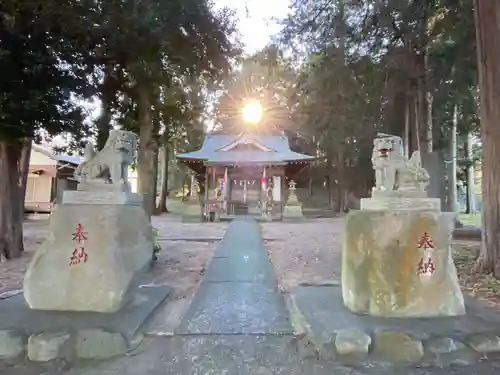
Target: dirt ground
point(187, 248)
point(181, 262)
point(307, 252)
point(484, 287)
point(12, 271)
point(310, 252)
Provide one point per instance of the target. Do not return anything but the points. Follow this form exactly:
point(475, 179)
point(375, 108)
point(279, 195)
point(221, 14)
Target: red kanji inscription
point(78, 256)
point(426, 267)
point(80, 235)
point(425, 242)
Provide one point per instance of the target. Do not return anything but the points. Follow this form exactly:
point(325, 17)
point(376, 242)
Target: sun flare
point(252, 111)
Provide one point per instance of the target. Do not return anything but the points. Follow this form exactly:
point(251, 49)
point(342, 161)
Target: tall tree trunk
point(424, 108)
point(407, 125)
point(429, 103)
point(330, 181)
point(162, 206)
point(452, 166)
point(471, 184)
point(155, 178)
point(10, 221)
point(148, 148)
point(107, 96)
point(24, 166)
point(415, 130)
point(420, 118)
point(341, 179)
point(487, 21)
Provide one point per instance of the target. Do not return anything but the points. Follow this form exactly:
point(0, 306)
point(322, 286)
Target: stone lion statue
point(387, 159)
point(110, 165)
point(413, 178)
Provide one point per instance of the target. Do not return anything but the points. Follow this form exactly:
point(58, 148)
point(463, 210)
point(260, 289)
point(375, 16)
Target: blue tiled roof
point(58, 156)
point(279, 146)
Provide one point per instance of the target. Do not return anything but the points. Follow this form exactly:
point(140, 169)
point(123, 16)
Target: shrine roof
point(59, 157)
point(224, 149)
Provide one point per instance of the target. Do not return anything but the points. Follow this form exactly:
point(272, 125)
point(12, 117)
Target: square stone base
point(101, 197)
point(401, 203)
point(127, 321)
point(293, 212)
point(319, 312)
point(399, 264)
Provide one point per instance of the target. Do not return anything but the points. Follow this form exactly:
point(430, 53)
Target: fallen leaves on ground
point(480, 286)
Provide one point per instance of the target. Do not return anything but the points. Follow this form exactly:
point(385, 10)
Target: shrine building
point(245, 174)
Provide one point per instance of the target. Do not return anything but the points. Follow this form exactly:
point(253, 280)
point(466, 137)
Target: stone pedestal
point(293, 208)
point(401, 203)
point(292, 212)
point(398, 263)
point(92, 258)
point(95, 197)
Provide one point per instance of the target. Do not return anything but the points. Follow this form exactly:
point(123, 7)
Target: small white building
point(49, 175)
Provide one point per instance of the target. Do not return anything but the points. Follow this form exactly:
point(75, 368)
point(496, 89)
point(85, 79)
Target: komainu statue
point(394, 173)
point(110, 165)
point(387, 159)
point(413, 177)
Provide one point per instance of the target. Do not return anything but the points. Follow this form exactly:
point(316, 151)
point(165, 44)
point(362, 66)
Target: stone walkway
point(238, 294)
point(232, 355)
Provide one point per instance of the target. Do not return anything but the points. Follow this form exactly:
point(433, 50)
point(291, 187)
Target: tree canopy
point(339, 72)
point(143, 60)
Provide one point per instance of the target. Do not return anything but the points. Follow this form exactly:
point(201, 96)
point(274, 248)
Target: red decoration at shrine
point(425, 242)
point(80, 235)
point(384, 152)
point(426, 267)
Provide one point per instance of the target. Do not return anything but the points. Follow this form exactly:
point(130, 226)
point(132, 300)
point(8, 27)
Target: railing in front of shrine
point(231, 208)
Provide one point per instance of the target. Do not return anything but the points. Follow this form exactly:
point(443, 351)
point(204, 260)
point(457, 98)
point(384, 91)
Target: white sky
point(256, 26)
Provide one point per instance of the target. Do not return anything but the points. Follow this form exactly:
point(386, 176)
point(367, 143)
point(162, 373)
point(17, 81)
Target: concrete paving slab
point(128, 321)
point(234, 355)
point(238, 294)
point(248, 355)
point(204, 355)
point(323, 309)
point(244, 268)
point(167, 318)
point(242, 234)
point(236, 308)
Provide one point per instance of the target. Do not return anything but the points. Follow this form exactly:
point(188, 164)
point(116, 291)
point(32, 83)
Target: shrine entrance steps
point(238, 294)
point(246, 209)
